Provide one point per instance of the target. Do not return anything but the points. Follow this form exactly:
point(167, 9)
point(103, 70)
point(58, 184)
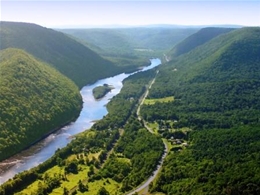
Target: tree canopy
point(34, 99)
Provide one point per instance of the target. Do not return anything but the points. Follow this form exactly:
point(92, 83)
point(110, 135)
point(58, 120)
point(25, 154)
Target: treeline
point(34, 99)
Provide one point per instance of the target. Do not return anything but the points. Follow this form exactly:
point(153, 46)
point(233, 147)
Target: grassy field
point(71, 179)
point(159, 100)
point(110, 185)
point(93, 187)
point(34, 186)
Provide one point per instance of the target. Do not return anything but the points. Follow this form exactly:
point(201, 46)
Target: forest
point(204, 104)
point(218, 161)
point(54, 100)
point(216, 96)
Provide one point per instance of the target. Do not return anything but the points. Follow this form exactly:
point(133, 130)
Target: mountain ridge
point(197, 39)
point(71, 58)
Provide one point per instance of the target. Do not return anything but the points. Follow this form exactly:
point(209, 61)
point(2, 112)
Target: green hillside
point(131, 42)
point(34, 99)
point(152, 38)
point(71, 58)
point(206, 106)
point(216, 89)
point(197, 39)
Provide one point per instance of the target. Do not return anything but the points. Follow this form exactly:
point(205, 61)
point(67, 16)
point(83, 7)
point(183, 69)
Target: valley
point(188, 126)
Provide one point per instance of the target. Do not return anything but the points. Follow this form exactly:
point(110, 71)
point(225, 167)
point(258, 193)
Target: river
point(92, 110)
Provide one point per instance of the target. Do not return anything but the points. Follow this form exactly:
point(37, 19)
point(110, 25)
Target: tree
point(72, 167)
point(103, 191)
point(82, 187)
point(65, 191)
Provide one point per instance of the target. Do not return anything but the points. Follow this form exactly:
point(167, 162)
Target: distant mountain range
point(147, 26)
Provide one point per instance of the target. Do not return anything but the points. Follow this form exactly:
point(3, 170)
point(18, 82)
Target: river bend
point(92, 110)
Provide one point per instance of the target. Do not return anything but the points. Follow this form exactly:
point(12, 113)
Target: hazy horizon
point(71, 14)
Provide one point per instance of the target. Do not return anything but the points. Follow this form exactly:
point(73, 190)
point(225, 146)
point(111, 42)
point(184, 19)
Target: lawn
point(159, 100)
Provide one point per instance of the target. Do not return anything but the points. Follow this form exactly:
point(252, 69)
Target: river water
point(92, 110)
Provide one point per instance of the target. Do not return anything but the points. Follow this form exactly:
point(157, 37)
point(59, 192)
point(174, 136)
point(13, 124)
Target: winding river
point(92, 110)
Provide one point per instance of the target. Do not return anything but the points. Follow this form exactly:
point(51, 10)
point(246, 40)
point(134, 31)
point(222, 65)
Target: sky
point(68, 13)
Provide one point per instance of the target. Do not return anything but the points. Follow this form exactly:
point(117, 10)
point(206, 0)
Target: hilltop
point(34, 99)
point(197, 39)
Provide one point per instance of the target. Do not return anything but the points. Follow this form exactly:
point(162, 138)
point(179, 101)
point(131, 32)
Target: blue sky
point(86, 12)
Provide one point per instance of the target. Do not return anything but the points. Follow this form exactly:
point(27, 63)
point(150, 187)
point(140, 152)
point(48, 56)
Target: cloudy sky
point(68, 13)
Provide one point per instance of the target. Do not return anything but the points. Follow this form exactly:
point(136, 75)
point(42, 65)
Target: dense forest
point(216, 95)
point(34, 99)
point(219, 161)
point(212, 92)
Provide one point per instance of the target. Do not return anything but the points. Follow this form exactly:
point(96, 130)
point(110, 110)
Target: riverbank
point(92, 110)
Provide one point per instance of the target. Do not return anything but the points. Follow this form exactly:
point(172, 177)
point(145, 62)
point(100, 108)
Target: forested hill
point(34, 99)
point(130, 47)
point(125, 41)
point(221, 74)
point(71, 58)
point(197, 39)
point(216, 89)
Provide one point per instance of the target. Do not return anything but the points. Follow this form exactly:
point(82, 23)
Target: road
point(166, 149)
point(166, 58)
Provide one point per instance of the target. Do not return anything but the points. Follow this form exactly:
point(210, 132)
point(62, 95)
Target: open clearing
point(159, 100)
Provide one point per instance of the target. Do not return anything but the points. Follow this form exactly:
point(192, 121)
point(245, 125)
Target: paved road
point(166, 149)
point(152, 177)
